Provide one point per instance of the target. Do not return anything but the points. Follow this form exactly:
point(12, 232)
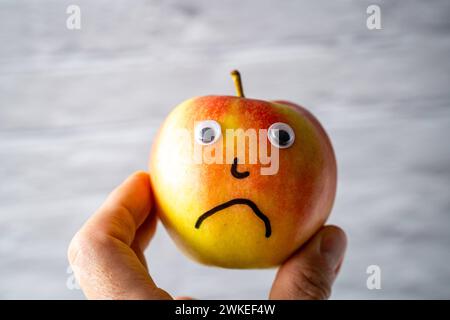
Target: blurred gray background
point(79, 111)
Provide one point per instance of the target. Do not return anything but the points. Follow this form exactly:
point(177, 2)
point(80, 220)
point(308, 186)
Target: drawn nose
point(235, 173)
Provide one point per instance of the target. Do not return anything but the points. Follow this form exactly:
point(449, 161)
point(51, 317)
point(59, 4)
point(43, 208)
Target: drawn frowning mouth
point(233, 202)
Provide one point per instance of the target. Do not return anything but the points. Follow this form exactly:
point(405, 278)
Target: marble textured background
point(79, 110)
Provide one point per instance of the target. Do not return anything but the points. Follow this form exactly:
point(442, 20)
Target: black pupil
point(282, 136)
point(207, 135)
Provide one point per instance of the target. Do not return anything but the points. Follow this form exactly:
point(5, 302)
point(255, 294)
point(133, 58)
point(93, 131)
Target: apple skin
point(297, 200)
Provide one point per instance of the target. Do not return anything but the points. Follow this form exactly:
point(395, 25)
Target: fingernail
point(332, 246)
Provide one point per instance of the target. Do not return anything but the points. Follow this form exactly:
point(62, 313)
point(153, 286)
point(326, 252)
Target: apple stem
point(237, 83)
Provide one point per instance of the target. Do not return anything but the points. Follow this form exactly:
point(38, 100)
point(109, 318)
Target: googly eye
point(281, 135)
point(207, 132)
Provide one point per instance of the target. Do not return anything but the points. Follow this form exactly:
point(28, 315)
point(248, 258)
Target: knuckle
point(312, 283)
point(74, 248)
point(85, 245)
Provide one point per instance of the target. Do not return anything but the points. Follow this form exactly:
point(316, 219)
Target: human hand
point(107, 257)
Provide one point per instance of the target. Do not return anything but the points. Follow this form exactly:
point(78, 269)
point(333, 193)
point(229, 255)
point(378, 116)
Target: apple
point(228, 213)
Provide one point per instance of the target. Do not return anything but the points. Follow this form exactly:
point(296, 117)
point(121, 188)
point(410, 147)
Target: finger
point(310, 272)
point(125, 209)
point(100, 254)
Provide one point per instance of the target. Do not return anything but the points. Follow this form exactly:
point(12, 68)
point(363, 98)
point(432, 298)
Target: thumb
point(310, 272)
point(106, 254)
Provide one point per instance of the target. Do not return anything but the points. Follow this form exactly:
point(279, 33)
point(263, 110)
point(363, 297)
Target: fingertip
point(124, 210)
point(134, 193)
point(336, 231)
point(310, 272)
point(329, 238)
point(140, 176)
point(333, 244)
point(325, 251)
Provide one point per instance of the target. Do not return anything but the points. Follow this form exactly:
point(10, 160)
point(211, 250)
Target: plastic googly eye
point(207, 132)
point(281, 135)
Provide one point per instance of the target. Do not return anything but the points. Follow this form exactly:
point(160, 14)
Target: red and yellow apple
point(229, 214)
